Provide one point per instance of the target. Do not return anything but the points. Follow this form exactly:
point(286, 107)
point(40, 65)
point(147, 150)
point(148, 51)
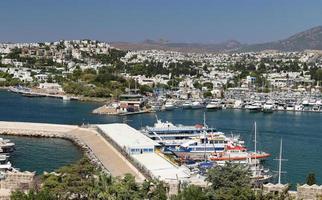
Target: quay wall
point(49, 131)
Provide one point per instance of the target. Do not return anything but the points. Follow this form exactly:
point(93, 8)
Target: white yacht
point(254, 107)
point(204, 146)
point(171, 136)
point(259, 175)
point(197, 105)
point(4, 163)
point(6, 146)
point(186, 105)
point(214, 105)
point(280, 107)
point(238, 104)
point(169, 105)
point(298, 107)
point(66, 98)
point(269, 106)
point(290, 107)
point(316, 108)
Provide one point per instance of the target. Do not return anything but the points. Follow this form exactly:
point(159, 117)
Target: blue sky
point(207, 21)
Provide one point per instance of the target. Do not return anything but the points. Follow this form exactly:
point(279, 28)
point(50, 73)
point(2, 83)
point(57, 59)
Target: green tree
point(209, 85)
point(33, 195)
point(84, 181)
point(231, 175)
point(145, 89)
point(191, 192)
point(197, 85)
point(310, 179)
point(231, 181)
point(207, 94)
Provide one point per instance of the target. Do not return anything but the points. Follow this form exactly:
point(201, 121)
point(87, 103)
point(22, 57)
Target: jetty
point(98, 149)
point(30, 93)
point(116, 148)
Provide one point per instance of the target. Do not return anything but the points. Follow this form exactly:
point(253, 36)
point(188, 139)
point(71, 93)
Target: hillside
point(309, 39)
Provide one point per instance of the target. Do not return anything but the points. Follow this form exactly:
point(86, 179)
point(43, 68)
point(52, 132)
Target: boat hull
point(169, 108)
point(267, 110)
point(240, 158)
point(201, 155)
point(209, 107)
point(197, 107)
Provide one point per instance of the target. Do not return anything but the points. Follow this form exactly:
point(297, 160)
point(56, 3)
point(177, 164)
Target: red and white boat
point(237, 153)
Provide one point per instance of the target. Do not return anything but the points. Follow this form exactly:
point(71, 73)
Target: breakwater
point(100, 152)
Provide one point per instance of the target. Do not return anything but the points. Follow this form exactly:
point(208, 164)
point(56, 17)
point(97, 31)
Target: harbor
point(270, 127)
point(119, 149)
point(233, 98)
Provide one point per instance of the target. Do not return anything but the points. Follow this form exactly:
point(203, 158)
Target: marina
point(117, 149)
point(271, 127)
point(167, 101)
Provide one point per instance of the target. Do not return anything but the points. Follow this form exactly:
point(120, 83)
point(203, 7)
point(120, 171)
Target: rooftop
point(124, 135)
point(161, 168)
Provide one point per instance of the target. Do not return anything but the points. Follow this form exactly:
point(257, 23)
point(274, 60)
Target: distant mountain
point(309, 39)
point(182, 47)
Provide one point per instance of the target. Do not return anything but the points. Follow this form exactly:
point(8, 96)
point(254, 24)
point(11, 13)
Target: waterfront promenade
point(87, 138)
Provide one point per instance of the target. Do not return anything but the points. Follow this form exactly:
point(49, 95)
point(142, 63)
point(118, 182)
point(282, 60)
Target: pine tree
point(310, 180)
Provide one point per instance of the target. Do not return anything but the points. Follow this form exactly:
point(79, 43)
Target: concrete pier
point(97, 148)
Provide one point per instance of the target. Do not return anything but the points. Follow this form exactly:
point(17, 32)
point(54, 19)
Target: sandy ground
point(114, 161)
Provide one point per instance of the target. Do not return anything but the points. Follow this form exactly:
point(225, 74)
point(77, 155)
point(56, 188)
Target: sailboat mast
point(255, 148)
point(280, 162)
point(205, 135)
point(255, 140)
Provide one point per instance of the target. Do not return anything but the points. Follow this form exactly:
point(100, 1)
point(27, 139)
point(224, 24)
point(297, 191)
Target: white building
point(128, 138)
point(52, 88)
point(142, 149)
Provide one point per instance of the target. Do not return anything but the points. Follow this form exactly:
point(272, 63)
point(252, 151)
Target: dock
point(29, 93)
point(97, 148)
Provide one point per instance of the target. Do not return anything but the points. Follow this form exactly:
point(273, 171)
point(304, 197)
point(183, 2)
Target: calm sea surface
point(301, 132)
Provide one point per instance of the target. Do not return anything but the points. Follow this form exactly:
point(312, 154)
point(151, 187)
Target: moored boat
point(197, 105)
point(237, 153)
point(4, 163)
point(254, 107)
point(268, 107)
point(6, 146)
point(204, 146)
point(186, 105)
point(170, 135)
point(214, 105)
point(169, 105)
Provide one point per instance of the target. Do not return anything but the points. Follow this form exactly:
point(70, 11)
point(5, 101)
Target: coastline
point(79, 98)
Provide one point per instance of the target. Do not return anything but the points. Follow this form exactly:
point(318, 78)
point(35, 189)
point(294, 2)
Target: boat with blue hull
point(203, 147)
point(171, 136)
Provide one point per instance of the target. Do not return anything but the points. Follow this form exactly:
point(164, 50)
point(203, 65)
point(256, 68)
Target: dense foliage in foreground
point(83, 181)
